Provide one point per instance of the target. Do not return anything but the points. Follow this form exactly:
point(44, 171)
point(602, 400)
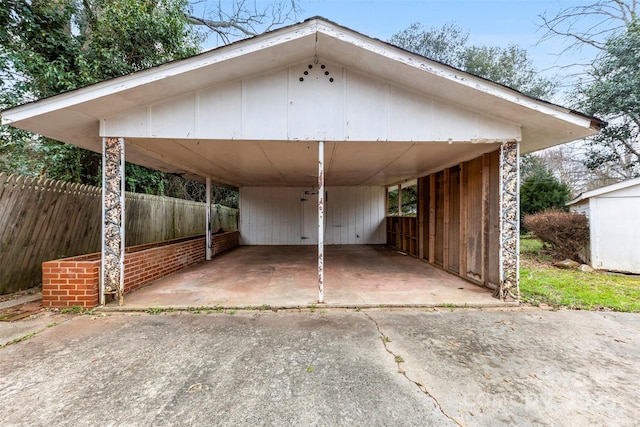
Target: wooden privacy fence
point(43, 219)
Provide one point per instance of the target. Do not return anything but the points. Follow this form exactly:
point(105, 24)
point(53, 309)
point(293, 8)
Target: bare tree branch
point(233, 20)
point(609, 17)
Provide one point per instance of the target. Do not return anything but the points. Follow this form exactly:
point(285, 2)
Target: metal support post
point(320, 221)
point(208, 227)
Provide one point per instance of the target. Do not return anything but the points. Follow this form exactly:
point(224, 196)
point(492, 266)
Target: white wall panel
point(367, 108)
point(316, 105)
point(279, 106)
point(615, 234)
point(264, 106)
point(174, 118)
point(219, 111)
point(274, 216)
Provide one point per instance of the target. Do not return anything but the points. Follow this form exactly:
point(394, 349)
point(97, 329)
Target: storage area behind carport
point(285, 277)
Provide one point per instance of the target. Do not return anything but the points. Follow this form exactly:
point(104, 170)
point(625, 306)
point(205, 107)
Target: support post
point(464, 194)
point(509, 221)
point(446, 232)
point(208, 253)
point(432, 218)
point(486, 223)
point(320, 221)
point(420, 214)
point(112, 265)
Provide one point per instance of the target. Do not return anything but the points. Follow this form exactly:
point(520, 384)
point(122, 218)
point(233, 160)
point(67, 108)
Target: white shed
point(613, 212)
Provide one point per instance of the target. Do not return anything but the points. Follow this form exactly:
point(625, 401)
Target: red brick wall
point(71, 281)
point(145, 266)
point(75, 281)
point(225, 241)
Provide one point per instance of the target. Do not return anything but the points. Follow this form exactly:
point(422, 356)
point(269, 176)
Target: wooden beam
point(400, 237)
point(386, 201)
point(420, 237)
point(447, 220)
point(432, 218)
point(486, 187)
point(464, 194)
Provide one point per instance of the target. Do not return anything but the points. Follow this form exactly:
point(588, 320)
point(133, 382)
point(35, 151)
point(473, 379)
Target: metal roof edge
point(604, 190)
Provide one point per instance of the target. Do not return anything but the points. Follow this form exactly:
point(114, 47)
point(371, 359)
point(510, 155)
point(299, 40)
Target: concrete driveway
point(365, 368)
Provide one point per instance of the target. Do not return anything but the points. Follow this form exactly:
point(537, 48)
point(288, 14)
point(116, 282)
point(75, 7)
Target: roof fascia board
point(604, 190)
point(447, 72)
point(123, 83)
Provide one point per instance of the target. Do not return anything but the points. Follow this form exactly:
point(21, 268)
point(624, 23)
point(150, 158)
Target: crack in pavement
point(398, 359)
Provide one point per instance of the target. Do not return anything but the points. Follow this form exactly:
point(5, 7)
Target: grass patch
point(531, 246)
point(578, 290)
point(541, 283)
point(76, 309)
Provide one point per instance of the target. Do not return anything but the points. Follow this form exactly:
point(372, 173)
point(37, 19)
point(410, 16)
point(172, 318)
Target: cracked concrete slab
point(466, 367)
point(523, 367)
point(252, 368)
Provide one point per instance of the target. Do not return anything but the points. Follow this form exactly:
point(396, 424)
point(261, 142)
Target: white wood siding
point(277, 216)
point(615, 231)
point(277, 105)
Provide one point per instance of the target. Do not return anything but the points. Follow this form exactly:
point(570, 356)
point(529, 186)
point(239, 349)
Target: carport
point(313, 123)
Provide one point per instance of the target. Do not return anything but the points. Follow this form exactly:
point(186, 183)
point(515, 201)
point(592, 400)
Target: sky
point(489, 22)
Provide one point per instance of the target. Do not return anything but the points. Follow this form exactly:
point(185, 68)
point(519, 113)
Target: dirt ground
point(334, 367)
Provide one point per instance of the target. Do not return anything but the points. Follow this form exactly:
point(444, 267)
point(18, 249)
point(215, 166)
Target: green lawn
point(540, 282)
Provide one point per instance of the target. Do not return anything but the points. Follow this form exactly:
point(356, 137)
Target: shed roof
point(605, 190)
point(81, 117)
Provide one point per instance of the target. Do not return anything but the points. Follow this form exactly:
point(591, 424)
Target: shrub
point(566, 233)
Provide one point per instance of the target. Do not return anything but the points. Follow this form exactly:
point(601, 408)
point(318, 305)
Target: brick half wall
point(75, 281)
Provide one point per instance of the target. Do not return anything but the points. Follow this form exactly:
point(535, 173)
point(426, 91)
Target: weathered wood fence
point(43, 219)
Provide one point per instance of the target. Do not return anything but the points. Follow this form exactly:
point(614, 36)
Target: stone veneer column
point(112, 271)
point(509, 221)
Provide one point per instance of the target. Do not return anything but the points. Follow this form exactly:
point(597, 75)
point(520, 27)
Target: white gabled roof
point(605, 190)
point(75, 117)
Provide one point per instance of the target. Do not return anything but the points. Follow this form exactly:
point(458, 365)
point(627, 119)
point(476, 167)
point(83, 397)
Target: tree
point(540, 190)
point(409, 201)
point(509, 66)
point(52, 46)
point(606, 86)
point(49, 47)
point(446, 44)
point(615, 95)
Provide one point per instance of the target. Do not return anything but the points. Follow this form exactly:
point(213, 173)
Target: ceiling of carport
point(295, 163)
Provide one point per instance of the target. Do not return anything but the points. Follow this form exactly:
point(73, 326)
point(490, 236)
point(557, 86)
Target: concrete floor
point(437, 367)
point(286, 276)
